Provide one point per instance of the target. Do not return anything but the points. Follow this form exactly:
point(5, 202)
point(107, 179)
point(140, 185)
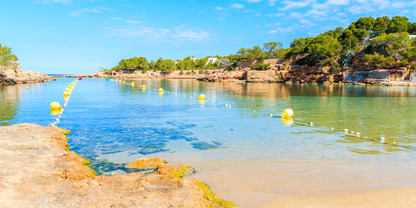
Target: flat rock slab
point(37, 170)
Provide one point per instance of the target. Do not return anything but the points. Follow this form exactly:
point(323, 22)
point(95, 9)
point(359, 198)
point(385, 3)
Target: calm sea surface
point(122, 123)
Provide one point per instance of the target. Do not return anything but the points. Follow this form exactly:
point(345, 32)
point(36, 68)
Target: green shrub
point(335, 67)
point(327, 62)
point(401, 63)
point(228, 68)
point(377, 60)
point(235, 64)
point(260, 66)
point(201, 71)
point(181, 73)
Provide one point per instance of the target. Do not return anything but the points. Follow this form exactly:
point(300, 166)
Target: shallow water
point(121, 123)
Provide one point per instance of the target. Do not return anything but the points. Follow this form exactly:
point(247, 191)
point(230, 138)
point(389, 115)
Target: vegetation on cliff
point(385, 41)
point(6, 56)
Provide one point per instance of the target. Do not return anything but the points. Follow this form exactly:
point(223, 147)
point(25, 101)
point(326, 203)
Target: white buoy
point(352, 132)
point(226, 104)
point(332, 128)
point(271, 114)
point(51, 125)
point(59, 116)
point(229, 106)
point(254, 111)
point(311, 123)
point(382, 139)
point(57, 120)
point(358, 134)
point(346, 130)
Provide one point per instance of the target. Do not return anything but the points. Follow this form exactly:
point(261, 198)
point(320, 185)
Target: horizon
point(78, 37)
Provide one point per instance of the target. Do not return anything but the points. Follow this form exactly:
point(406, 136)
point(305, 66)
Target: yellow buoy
point(67, 89)
point(287, 121)
point(66, 93)
point(132, 83)
point(27, 88)
point(161, 91)
point(201, 97)
point(143, 86)
point(55, 106)
point(70, 86)
point(55, 112)
point(124, 82)
point(287, 113)
point(66, 97)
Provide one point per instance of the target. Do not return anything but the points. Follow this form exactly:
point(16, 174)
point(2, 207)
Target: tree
point(412, 29)
point(298, 45)
point(166, 65)
point(271, 48)
point(365, 23)
point(381, 25)
point(335, 33)
point(256, 53)
point(6, 55)
point(242, 52)
point(398, 24)
point(134, 63)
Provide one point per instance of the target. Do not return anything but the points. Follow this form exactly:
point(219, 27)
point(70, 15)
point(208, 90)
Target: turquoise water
point(123, 123)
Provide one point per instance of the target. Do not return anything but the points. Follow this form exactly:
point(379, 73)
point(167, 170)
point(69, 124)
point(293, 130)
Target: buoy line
point(56, 107)
point(286, 114)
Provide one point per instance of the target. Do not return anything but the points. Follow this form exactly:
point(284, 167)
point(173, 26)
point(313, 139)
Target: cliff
point(16, 75)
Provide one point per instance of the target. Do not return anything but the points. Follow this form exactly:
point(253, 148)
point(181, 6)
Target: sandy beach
point(310, 183)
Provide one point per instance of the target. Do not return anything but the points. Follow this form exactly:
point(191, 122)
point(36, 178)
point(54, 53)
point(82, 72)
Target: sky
point(83, 36)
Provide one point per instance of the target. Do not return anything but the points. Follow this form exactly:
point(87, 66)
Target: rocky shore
point(38, 170)
point(16, 75)
point(283, 71)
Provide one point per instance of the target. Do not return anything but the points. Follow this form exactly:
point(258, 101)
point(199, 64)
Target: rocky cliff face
point(16, 75)
point(38, 170)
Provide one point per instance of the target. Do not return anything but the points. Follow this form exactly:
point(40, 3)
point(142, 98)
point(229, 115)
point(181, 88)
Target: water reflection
point(9, 103)
point(108, 118)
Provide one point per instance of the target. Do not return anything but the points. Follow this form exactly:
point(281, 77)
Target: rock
point(145, 163)
point(16, 75)
point(166, 169)
point(37, 170)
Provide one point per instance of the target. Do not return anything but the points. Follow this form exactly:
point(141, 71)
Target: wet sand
point(310, 183)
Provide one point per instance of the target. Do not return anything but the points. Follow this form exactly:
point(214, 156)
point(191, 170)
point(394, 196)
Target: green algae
point(65, 131)
point(185, 171)
point(208, 194)
point(215, 202)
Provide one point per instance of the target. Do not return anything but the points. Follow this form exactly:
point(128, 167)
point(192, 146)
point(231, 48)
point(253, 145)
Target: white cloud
point(134, 22)
point(180, 33)
point(56, 1)
point(220, 8)
point(282, 30)
point(271, 2)
point(248, 10)
point(295, 4)
point(237, 6)
point(190, 34)
point(257, 15)
point(276, 15)
point(221, 18)
point(202, 11)
point(275, 24)
point(86, 10)
point(253, 1)
point(116, 18)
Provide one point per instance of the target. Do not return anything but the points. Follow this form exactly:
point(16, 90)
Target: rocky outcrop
point(17, 75)
point(221, 75)
point(145, 163)
point(38, 170)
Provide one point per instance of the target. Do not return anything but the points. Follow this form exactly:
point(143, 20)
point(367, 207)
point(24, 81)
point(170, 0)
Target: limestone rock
point(145, 163)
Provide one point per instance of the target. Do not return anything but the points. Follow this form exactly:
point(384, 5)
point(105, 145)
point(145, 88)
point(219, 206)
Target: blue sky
point(80, 36)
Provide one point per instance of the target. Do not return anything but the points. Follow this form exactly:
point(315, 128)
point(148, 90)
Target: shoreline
point(246, 76)
point(50, 175)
